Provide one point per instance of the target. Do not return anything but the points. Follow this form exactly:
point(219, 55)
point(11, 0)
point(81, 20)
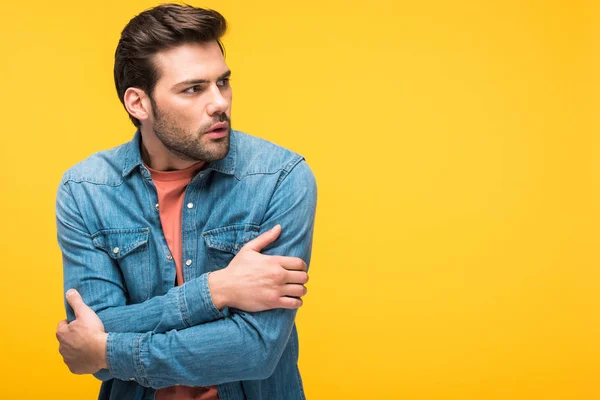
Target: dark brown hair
point(157, 29)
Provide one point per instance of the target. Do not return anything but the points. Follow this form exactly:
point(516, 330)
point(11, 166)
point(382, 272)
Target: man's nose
point(218, 103)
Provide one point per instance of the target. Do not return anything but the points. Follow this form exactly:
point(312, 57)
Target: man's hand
point(83, 341)
point(257, 282)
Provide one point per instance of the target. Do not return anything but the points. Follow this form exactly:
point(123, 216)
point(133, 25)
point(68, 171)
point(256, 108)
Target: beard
point(191, 145)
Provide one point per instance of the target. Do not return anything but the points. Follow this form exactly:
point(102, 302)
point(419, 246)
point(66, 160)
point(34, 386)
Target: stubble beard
point(188, 145)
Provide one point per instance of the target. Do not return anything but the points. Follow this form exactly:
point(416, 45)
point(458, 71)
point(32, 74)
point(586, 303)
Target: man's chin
point(217, 149)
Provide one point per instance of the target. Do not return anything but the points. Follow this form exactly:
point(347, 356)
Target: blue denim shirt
point(115, 254)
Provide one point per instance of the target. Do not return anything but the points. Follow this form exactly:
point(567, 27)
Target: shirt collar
point(133, 156)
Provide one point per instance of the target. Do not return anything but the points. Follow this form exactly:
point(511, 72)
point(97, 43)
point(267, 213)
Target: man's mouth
point(218, 130)
point(219, 126)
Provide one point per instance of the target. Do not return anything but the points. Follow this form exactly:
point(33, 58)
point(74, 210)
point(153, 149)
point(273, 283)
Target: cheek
point(188, 114)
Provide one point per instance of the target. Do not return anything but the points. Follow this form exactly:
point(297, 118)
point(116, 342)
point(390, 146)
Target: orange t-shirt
point(170, 186)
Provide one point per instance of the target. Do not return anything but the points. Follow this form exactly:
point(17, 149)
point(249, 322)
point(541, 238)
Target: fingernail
point(275, 227)
point(71, 292)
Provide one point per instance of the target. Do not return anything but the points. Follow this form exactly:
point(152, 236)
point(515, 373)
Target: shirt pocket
point(129, 249)
point(222, 244)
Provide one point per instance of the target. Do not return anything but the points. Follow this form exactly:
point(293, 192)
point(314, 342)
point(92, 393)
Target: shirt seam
point(79, 214)
point(183, 308)
point(207, 298)
point(137, 359)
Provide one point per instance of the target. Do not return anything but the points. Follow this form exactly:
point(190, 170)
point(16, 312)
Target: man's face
point(192, 102)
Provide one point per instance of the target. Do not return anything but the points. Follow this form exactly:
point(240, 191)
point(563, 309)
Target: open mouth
point(218, 130)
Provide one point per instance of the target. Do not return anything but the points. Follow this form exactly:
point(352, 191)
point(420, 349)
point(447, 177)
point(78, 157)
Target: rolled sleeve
point(123, 357)
point(196, 303)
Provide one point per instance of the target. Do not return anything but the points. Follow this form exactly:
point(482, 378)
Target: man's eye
point(193, 89)
point(223, 82)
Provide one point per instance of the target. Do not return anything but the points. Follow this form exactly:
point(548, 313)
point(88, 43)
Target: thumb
point(260, 242)
point(76, 302)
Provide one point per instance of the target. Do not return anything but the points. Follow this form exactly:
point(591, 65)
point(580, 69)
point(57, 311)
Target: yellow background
point(456, 149)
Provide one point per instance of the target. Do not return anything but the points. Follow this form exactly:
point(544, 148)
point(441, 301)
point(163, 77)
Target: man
point(186, 249)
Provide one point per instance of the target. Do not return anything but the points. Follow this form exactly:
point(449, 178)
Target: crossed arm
point(149, 342)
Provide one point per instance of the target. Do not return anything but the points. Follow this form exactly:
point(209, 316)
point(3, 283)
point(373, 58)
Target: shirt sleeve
point(99, 281)
point(242, 346)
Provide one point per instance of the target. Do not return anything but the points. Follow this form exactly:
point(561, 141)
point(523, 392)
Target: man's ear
point(137, 103)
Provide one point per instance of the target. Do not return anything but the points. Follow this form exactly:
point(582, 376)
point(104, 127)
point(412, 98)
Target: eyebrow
point(199, 81)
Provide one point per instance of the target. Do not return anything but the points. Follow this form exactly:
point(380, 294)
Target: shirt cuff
point(123, 357)
point(196, 303)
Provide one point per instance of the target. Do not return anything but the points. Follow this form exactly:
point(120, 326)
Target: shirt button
point(190, 205)
point(116, 250)
point(132, 379)
point(169, 257)
point(156, 206)
point(188, 262)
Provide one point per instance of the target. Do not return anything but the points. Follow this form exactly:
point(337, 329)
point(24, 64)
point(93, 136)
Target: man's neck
point(158, 157)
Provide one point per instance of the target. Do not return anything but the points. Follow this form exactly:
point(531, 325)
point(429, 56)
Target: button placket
point(188, 222)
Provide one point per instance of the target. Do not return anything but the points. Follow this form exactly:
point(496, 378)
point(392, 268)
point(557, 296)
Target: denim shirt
point(116, 255)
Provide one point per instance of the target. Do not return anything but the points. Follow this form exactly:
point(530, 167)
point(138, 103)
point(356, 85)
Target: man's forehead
point(190, 61)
